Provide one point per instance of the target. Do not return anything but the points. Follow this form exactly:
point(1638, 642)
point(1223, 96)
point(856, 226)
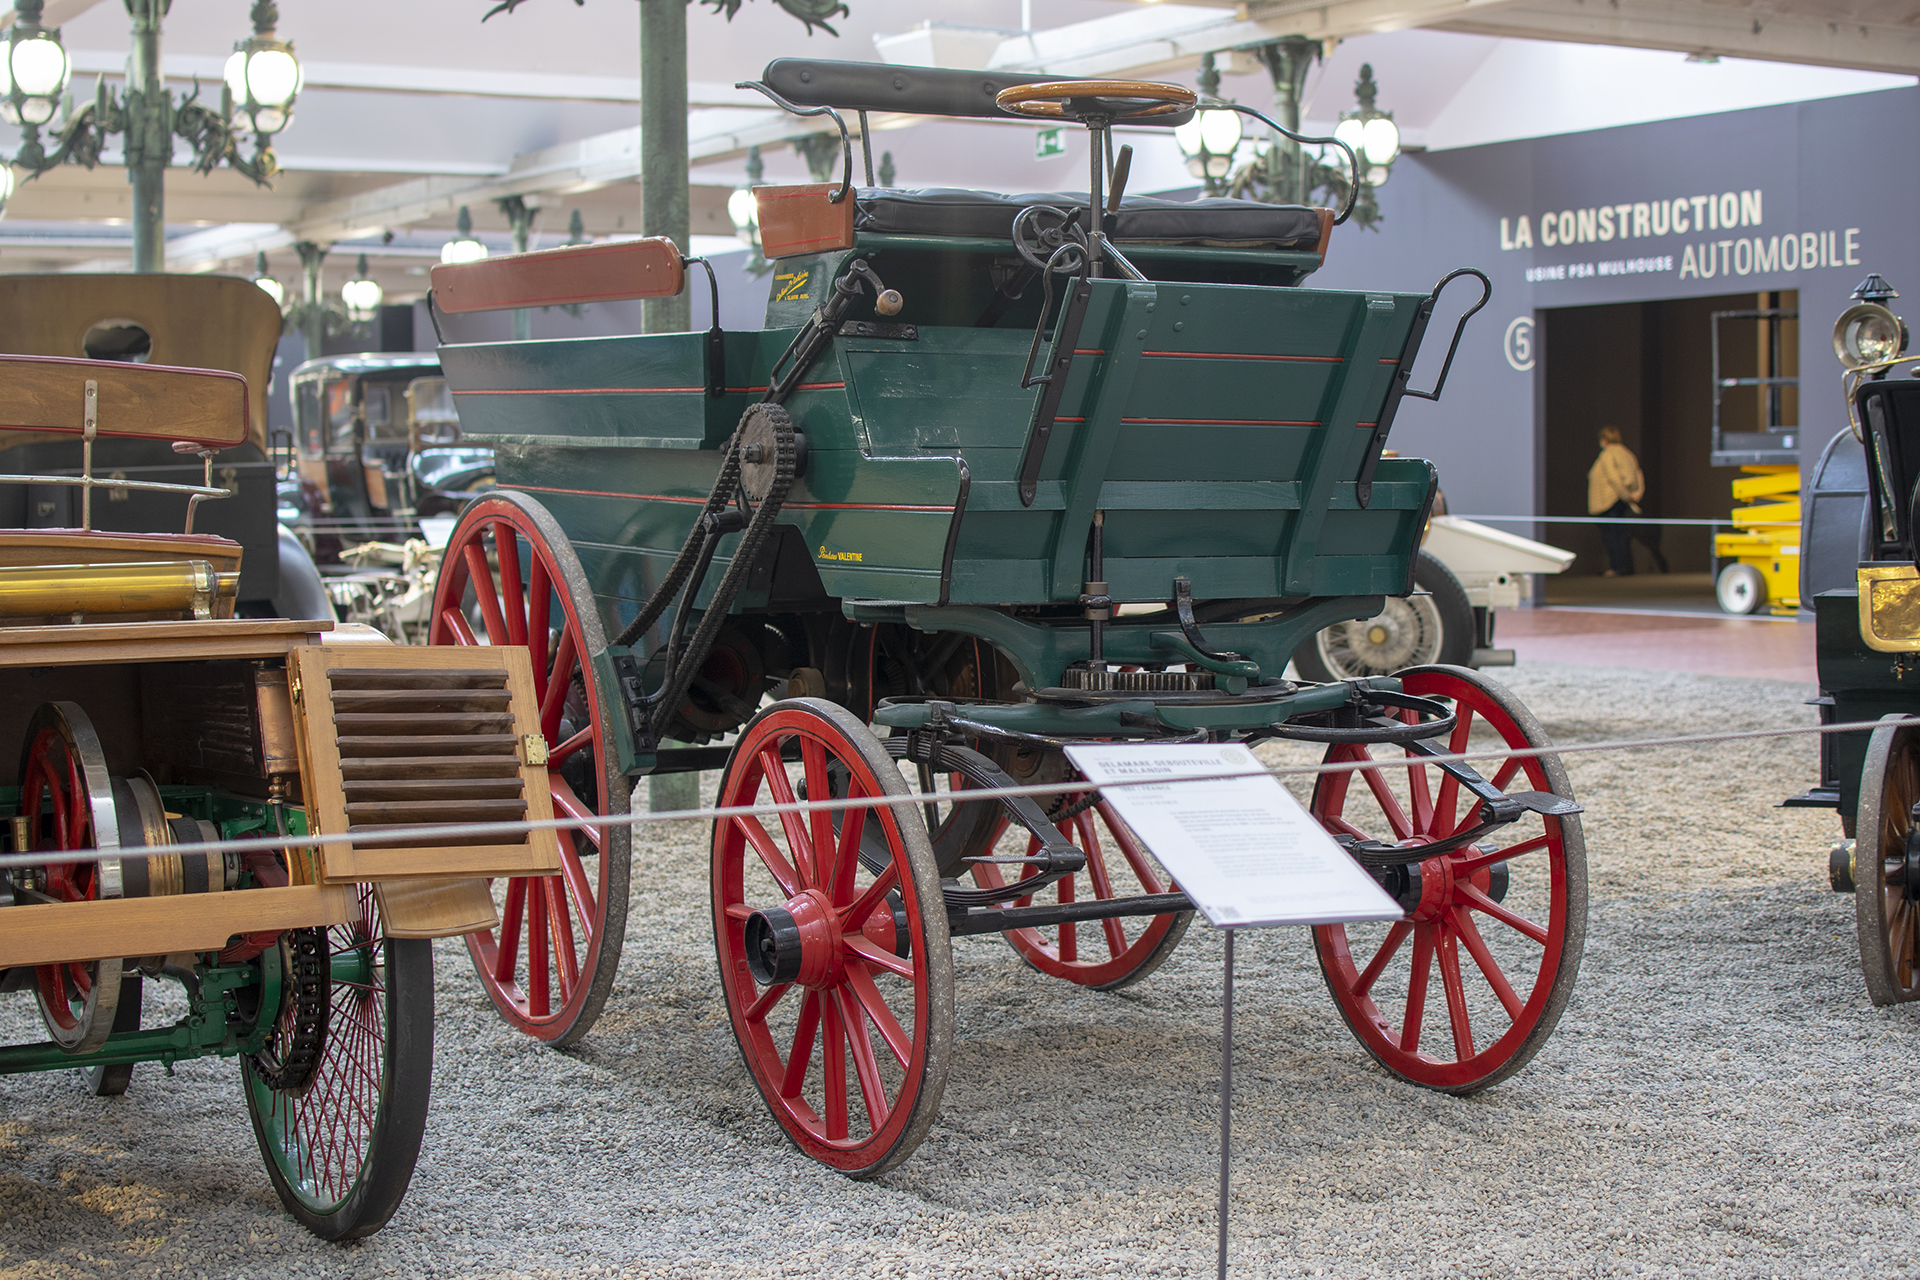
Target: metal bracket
point(1403, 372)
point(1066, 336)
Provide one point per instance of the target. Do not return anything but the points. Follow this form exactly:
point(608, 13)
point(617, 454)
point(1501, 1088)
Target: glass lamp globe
point(263, 78)
point(39, 66)
point(1188, 136)
point(362, 298)
point(273, 289)
point(1353, 132)
point(1220, 131)
point(744, 210)
point(1377, 175)
point(35, 70)
point(6, 186)
point(273, 76)
point(464, 250)
point(1381, 139)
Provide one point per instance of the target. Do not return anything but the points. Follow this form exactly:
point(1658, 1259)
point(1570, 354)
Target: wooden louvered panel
point(422, 737)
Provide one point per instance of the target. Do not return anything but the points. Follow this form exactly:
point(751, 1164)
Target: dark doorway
point(1647, 368)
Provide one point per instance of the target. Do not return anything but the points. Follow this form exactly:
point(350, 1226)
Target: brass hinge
point(533, 750)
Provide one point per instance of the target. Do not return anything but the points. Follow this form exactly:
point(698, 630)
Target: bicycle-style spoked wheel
point(1104, 954)
point(832, 944)
point(341, 1140)
point(551, 963)
point(1462, 992)
point(1886, 879)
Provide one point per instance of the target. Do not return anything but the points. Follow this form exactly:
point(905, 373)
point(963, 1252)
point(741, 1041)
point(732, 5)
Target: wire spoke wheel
point(340, 1148)
point(1103, 954)
point(831, 936)
point(1886, 881)
point(509, 576)
point(1462, 992)
point(67, 798)
point(1433, 626)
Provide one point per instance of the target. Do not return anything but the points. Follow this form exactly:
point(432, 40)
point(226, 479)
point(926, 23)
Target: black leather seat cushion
point(1219, 222)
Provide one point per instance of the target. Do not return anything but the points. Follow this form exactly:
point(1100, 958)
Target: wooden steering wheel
point(1080, 99)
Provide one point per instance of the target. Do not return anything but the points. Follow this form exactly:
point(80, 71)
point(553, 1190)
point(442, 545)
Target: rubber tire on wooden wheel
point(1127, 949)
point(1436, 628)
point(341, 1150)
point(538, 949)
point(1546, 867)
point(860, 972)
point(1887, 919)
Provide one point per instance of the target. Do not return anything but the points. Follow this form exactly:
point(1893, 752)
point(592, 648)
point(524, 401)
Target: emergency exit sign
point(1050, 142)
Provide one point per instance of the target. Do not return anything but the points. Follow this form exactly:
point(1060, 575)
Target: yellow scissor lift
point(1759, 562)
point(1763, 554)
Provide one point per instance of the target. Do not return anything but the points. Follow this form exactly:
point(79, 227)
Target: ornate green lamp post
point(262, 80)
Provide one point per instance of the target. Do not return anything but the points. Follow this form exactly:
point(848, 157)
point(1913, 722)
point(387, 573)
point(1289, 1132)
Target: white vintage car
point(1464, 572)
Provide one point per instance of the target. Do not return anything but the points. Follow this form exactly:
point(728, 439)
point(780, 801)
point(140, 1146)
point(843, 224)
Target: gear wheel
point(767, 438)
point(299, 1039)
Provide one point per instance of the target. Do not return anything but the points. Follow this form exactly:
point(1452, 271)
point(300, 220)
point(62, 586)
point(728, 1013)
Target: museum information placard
point(1241, 847)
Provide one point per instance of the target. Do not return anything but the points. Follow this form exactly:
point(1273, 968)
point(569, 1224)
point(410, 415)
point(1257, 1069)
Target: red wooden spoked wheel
point(1503, 920)
point(67, 796)
point(832, 940)
point(1104, 954)
point(509, 576)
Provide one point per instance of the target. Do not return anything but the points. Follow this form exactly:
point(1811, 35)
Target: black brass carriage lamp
point(1211, 137)
point(268, 285)
point(1869, 333)
point(262, 79)
point(362, 294)
point(1370, 131)
point(463, 247)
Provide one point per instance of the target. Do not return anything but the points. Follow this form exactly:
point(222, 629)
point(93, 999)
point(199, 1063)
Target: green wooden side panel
point(1220, 428)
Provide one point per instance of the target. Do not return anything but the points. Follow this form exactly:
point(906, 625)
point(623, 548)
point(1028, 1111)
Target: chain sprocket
point(292, 1054)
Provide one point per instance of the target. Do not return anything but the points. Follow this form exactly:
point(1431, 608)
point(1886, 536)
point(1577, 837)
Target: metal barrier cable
point(403, 835)
point(1604, 520)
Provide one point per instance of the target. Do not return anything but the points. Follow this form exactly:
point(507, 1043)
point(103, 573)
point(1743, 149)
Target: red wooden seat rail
point(575, 273)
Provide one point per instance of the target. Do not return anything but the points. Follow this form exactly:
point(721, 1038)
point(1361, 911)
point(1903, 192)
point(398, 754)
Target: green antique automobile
point(999, 474)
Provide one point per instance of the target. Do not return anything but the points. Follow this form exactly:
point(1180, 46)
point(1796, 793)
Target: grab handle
point(1426, 311)
point(1403, 372)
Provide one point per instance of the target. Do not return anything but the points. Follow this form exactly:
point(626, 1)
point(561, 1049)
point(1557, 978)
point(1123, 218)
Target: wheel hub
point(1436, 889)
point(797, 942)
point(1903, 869)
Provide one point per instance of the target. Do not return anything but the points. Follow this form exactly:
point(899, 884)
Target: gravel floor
point(1719, 1100)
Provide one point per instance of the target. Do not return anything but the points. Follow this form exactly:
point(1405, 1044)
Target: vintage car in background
point(183, 321)
point(378, 477)
point(1465, 570)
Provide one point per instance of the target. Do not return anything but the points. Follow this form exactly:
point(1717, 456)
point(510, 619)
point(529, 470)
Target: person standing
point(1614, 489)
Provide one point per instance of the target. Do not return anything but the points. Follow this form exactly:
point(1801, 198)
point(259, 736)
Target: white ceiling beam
point(1703, 28)
point(714, 134)
point(57, 13)
point(387, 77)
point(1174, 36)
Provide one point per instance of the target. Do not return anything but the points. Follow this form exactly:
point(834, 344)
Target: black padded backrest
point(948, 211)
point(1889, 411)
point(1835, 535)
point(923, 91)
